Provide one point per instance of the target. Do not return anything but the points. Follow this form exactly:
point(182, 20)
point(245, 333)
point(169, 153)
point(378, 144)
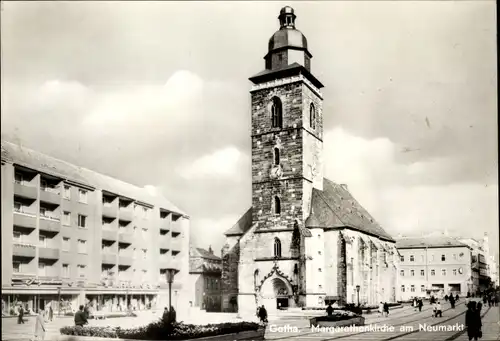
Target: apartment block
point(433, 266)
point(72, 236)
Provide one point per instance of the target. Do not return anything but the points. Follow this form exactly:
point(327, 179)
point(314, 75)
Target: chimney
point(344, 187)
point(210, 249)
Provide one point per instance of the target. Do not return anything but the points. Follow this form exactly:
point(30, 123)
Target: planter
point(247, 335)
point(323, 321)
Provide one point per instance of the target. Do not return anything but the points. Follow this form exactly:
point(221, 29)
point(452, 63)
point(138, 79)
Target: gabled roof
point(242, 226)
point(434, 242)
point(49, 165)
point(334, 206)
point(204, 254)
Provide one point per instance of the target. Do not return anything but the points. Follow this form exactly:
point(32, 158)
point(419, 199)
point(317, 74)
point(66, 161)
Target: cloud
point(406, 198)
point(223, 163)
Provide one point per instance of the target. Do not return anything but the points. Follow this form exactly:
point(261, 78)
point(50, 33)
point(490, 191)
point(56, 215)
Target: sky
point(157, 93)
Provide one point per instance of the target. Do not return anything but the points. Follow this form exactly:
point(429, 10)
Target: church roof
point(32, 159)
point(434, 242)
point(334, 206)
point(242, 226)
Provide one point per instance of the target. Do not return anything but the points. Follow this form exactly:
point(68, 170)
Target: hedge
point(161, 331)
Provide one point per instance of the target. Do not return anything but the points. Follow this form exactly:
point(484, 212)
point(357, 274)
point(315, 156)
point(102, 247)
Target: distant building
point(205, 279)
point(480, 259)
point(433, 266)
point(493, 266)
point(87, 238)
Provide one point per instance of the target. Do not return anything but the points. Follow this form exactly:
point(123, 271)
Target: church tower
point(287, 131)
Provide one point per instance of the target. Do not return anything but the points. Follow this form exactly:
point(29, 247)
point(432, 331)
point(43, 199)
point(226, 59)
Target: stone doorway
point(276, 293)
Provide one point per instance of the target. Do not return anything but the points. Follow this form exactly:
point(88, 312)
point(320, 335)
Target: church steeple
point(288, 45)
point(287, 17)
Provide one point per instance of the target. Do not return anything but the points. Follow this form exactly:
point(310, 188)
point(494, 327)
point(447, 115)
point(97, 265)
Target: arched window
point(277, 247)
point(256, 278)
point(312, 116)
point(276, 113)
point(277, 205)
point(276, 156)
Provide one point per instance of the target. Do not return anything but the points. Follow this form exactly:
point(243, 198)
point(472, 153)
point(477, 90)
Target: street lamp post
point(170, 273)
point(59, 301)
point(357, 290)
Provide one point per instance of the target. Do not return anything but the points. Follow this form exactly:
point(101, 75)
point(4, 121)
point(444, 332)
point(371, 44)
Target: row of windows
point(46, 186)
point(432, 272)
point(43, 269)
point(412, 288)
point(277, 114)
point(443, 257)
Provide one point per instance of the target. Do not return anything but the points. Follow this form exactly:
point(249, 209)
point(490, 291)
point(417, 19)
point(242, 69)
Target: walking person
point(420, 305)
point(439, 310)
point(21, 315)
point(39, 326)
point(263, 314)
point(386, 309)
point(473, 322)
point(452, 302)
point(381, 309)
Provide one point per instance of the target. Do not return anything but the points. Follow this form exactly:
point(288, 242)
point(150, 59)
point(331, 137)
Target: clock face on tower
point(276, 172)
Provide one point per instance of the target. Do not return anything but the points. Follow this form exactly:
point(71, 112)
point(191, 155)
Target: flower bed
point(161, 331)
point(338, 318)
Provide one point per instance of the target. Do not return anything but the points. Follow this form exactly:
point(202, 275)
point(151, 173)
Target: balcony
point(25, 191)
point(125, 260)
point(164, 243)
point(24, 250)
point(109, 211)
point(109, 235)
point(108, 258)
point(51, 196)
point(126, 214)
point(165, 225)
point(50, 224)
point(176, 244)
point(48, 253)
point(26, 220)
point(176, 229)
point(126, 237)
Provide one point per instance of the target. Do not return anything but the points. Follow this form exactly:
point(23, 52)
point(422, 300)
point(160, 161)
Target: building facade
point(480, 263)
point(305, 240)
point(205, 278)
point(72, 236)
point(433, 266)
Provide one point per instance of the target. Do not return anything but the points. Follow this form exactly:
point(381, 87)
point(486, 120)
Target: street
point(406, 322)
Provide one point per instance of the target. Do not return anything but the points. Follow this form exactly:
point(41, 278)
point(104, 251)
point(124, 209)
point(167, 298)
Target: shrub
point(161, 330)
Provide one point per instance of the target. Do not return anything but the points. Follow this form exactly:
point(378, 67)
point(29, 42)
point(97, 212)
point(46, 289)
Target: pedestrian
point(381, 309)
point(485, 299)
point(386, 309)
point(446, 298)
point(21, 315)
point(420, 304)
point(39, 326)
point(51, 313)
point(452, 302)
point(263, 314)
point(329, 309)
point(456, 298)
point(81, 317)
point(473, 322)
point(479, 307)
point(439, 310)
